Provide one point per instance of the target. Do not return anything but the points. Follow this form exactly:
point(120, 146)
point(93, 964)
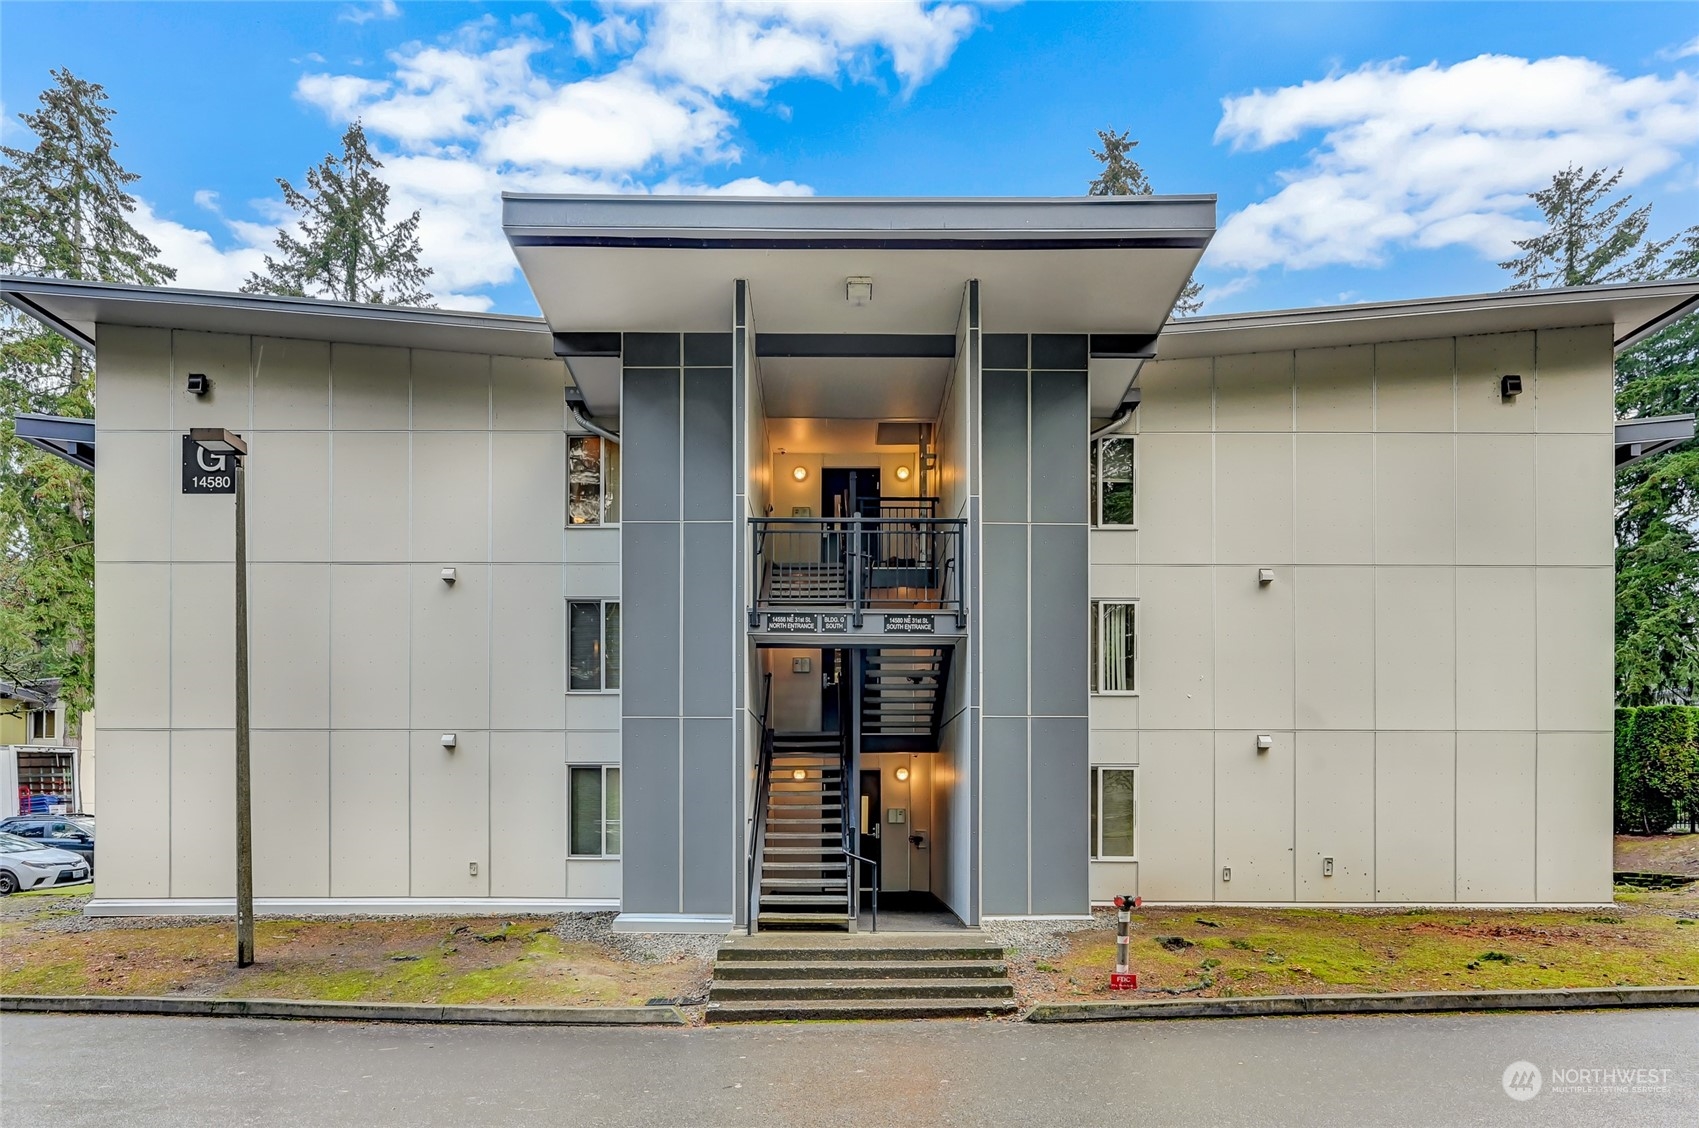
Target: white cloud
point(381, 10)
point(200, 263)
point(1687, 50)
point(1438, 156)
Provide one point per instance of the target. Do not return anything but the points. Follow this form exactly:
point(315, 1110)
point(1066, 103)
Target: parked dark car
point(29, 863)
point(62, 832)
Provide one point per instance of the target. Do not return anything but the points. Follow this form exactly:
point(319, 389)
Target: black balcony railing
point(904, 559)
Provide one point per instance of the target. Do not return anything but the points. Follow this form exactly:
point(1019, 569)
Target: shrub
point(1657, 768)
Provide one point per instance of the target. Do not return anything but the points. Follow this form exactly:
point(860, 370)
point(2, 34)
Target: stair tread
point(781, 1009)
point(810, 970)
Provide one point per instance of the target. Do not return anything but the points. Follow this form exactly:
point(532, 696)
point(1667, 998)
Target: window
point(594, 658)
point(595, 811)
point(1114, 647)
point(592, 480)
point(1114, 811)
point(1112, 481)
point(44, 724)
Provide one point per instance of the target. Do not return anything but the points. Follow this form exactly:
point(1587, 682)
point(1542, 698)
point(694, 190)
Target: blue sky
point(1359, 152)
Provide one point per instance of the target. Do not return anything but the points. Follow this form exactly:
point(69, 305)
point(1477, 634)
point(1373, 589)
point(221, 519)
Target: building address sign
point(801, 622)
point(205, 473)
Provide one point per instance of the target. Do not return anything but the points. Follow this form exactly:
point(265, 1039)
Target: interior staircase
point(902, 697)
point(804, 875)
point(806, 584)
point(771, 977)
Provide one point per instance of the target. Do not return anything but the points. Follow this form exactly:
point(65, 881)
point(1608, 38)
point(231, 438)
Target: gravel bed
point(650, 947)
point(1044, 939)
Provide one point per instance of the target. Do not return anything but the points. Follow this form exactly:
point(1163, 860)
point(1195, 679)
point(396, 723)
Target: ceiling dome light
point(800, 473)
point(903, 473)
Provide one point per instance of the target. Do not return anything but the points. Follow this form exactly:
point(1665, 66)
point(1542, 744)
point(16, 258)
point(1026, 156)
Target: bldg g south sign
point(205, 473)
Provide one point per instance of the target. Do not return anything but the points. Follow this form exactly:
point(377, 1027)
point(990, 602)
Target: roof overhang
point(76, 309)
point(1642, 438)
point(62, 436)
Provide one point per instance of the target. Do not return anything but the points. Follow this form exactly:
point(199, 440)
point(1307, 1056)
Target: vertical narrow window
point(1112, 481)
point(1114, 647)
point(1114, 813)
point(594, 803)
point(593, 645)
point(592, 480)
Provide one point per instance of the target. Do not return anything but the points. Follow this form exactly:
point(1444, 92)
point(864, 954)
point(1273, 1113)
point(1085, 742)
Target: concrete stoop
point(778, 977)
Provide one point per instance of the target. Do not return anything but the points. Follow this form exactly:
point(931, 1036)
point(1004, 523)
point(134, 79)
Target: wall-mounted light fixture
point(858, 290)
point(199, 383)
point(1509, 387)
point(449, 575)
point(902, 775)
point(800, 774)
point(800, 473)
point(1264, 742)
point(449, 740)
point(1265, 576)
point(903, 473)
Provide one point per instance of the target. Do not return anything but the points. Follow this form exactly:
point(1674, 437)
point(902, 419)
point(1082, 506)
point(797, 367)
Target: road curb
point(346, 1012)
point(1411, 1002)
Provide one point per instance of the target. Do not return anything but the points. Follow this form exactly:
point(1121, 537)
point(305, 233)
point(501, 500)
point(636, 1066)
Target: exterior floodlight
point(1264, 742)
point(217, 440)
point(199, 384)
point(449, 740)
point(449, 575)
point(1265, 576)
point(1509, 387)
point(858, 291)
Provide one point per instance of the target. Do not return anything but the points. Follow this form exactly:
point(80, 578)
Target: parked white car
point(28, 865)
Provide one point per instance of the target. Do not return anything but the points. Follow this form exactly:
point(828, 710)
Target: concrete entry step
point(773, 1010)
point(741, 970)
point(907, 989)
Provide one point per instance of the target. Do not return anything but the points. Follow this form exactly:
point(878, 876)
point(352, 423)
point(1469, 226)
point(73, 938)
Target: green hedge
point(1657, 768)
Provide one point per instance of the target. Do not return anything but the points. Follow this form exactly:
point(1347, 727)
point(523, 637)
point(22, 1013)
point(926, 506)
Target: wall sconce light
point(858, 290)
point(1509, 387)
point(449, 575)
point(1265, 576)
point(800, 473)
point(799, 775)
point(1264, 742)
point(902, 775)
point(199, 384)
point(903, 473)
point(449, 740)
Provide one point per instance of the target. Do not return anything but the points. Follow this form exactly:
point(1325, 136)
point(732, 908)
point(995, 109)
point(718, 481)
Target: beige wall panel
point(1415, 802)
point(1495, 816)
point(203, 646)
point(225, 358)
point(139, 472)
point(203, 814)
point(291, 789)
point(1114, 581)
point(451, 391)
point(593, 880)
point(592, 546)
point(1495, 648)
point(1118, 716)
point(1413, 385)
point(369, 388)
point(291, 384)
point(135, 379)
point(451, 661)
point(1335, 815)
point(135, 826)
point(1573, 392)
point(132, 638)
point(598, 580)
point(289, 631)
point(593, 711)
point(1415, 648)
point(529, 395)
point(1253, 649)
point(1574, 504)
point(1333, 625)
point(1253, 392)
point(451, 497)
point(1334, 511)
point(203, 526)
point(1576, 624)
point(1109, 880)
point(1253, 499)
point(1573, 817)
point(1336, 388)
point(1481, 361)
point(528, 655)
point(1177, 659)
point(1177, 395)
point(529, 497)
point(369, 646)
point(1495, 499)
point(371, 475)
point(1175, 492)
point(595, 747)
point(1415, 503)
point(450, 804)
point(527, 815)
point(1253, 817)
point(1176, 833)
point(1114, 546)
point(370, 849)
point(288, 483)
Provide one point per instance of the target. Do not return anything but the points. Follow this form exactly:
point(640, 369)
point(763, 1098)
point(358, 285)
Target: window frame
point(1097, 481)
point(602, 834)
point(604, 490)
point(1095, 816)
point(601, 642)
point(1098, 649)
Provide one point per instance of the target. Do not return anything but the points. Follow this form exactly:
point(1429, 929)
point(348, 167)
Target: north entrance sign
point(205, 473)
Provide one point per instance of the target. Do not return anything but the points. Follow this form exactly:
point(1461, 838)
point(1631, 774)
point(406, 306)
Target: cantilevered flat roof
point(1110, 264)
point(75, 308)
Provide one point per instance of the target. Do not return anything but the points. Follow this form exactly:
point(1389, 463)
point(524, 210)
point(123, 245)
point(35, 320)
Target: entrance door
point(844, 491)
point(870, 830)
point(832, 673)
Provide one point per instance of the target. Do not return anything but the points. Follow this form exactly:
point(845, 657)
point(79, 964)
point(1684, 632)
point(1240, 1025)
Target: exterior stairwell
point(804, 876)
point(902, 698)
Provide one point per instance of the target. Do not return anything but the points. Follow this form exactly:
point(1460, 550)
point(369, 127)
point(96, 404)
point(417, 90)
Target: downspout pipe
point(581, 416)
point(1122, 414)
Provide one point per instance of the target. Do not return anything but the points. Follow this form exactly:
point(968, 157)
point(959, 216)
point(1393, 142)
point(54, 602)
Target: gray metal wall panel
point(709, 622)
point(707, 444)
point(649, 619)
point(649, 811)
point(1003, 618)
point(710, 828)
point(1061, 813)
point(1061, 425)
point(1003, 832)
point(649, 445)
point(1005, 445)
point(1061, 620)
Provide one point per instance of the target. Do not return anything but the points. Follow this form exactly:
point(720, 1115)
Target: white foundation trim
point(711, 923)
point(1036, 916)
point(1357, 906)
point(345, 906)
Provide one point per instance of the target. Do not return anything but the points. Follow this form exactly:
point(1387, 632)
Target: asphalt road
point(1420, 1070)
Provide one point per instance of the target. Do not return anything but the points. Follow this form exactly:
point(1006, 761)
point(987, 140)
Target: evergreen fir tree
point(346, 248)
point(1124, 176)
point(1588, 240)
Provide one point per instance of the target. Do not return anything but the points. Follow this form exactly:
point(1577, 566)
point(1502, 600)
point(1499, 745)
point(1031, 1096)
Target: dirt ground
point(1658, 853)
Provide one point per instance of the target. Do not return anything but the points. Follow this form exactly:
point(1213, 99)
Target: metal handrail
point(758, 804)
point(855, 891)
point(858, 564)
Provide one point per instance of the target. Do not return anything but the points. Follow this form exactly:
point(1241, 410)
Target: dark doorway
point(833, 667)
point(846, 491)
point(869, 822)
